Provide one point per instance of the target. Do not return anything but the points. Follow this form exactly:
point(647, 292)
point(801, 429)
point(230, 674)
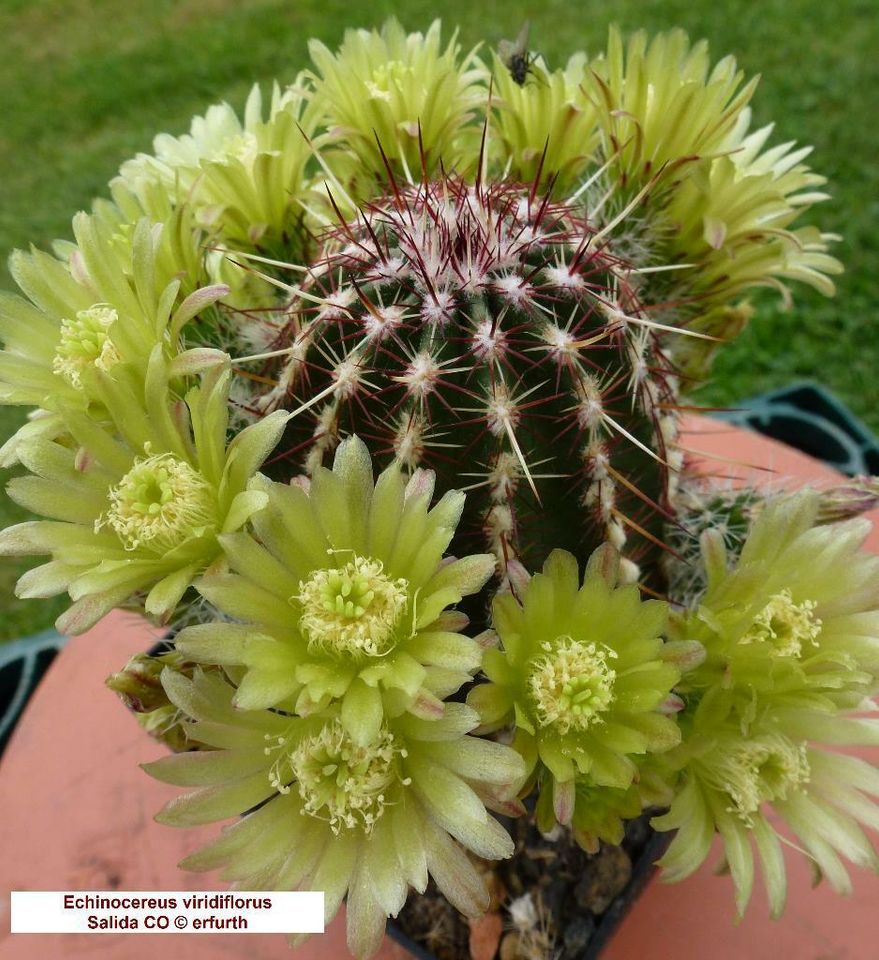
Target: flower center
point(341, 782)
point(387, 78)
point(571, 685)
point(785, 624)
point(84, 343)
point(760, 771)
point(354, 609)
point(160, 503)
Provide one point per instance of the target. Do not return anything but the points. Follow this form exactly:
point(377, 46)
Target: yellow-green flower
point(717, 204)
point(599, 813)
point(138, 685)
point(362, 820)
point(92, 320)
point(795, 620)
point(580, 672)
point(744, 200)
point(791, 636)
point(385, 90)
point(137, 507)
point(734, 220)
point(245, 179)
point(663, 105)
point(741, 782)
point(342, 593)
point(546, 124)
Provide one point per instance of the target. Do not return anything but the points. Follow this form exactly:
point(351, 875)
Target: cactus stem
point(332, 388)
point(469, 304)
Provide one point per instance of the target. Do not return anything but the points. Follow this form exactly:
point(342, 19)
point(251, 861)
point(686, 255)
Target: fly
point(515, 56)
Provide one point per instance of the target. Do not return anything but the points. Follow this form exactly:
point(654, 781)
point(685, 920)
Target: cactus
point(441, 276)
point(490, 334)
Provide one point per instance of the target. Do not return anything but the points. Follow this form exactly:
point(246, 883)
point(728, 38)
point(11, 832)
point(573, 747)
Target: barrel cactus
point(374, 398)
point(486, 332)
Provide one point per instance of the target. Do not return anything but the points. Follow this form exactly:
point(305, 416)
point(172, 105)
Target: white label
point(175, 911)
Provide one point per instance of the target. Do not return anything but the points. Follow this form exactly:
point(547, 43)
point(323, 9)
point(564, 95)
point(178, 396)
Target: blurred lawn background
point(87, 83)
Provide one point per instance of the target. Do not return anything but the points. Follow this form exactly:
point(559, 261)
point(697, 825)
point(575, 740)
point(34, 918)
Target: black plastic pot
point(606, 924)
point(809, 418)
point(22, 665)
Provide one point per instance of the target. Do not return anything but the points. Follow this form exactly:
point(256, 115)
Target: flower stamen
point(352, 610)
point(788, 626)
point(571, 685)
point(85, 342)
point(759, 771)
point(160, 503)
point(341, 782)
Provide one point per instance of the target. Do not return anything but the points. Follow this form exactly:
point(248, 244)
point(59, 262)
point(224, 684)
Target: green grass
point(86, 83)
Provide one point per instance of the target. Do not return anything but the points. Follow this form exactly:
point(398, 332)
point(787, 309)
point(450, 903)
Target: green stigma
point(159, 504)
point(341, 782)
point(85, 342)
point(388, 79)
point(571, 685)
point(354, 609)
point(788, 626)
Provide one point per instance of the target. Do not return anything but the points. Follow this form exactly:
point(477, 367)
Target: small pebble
point(610, 871)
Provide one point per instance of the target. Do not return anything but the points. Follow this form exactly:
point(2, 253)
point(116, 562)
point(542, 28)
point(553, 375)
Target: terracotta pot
point(77, 814)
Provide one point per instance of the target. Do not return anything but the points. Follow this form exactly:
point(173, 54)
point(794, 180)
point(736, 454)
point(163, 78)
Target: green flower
point(581, 674)
point(599, 813)
point(245, 180)
point(190, 248)
point(796, 620)
point(342, 594)
point(790, 635)
point(676, 127)
point(103, 312)
point(740, 784)
point(545, 125)
point(663, 105)
point(400, 91)
point(733, 219)
point(138, 685)
point(138, 507)
point(738, 207)
point(366, 819)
